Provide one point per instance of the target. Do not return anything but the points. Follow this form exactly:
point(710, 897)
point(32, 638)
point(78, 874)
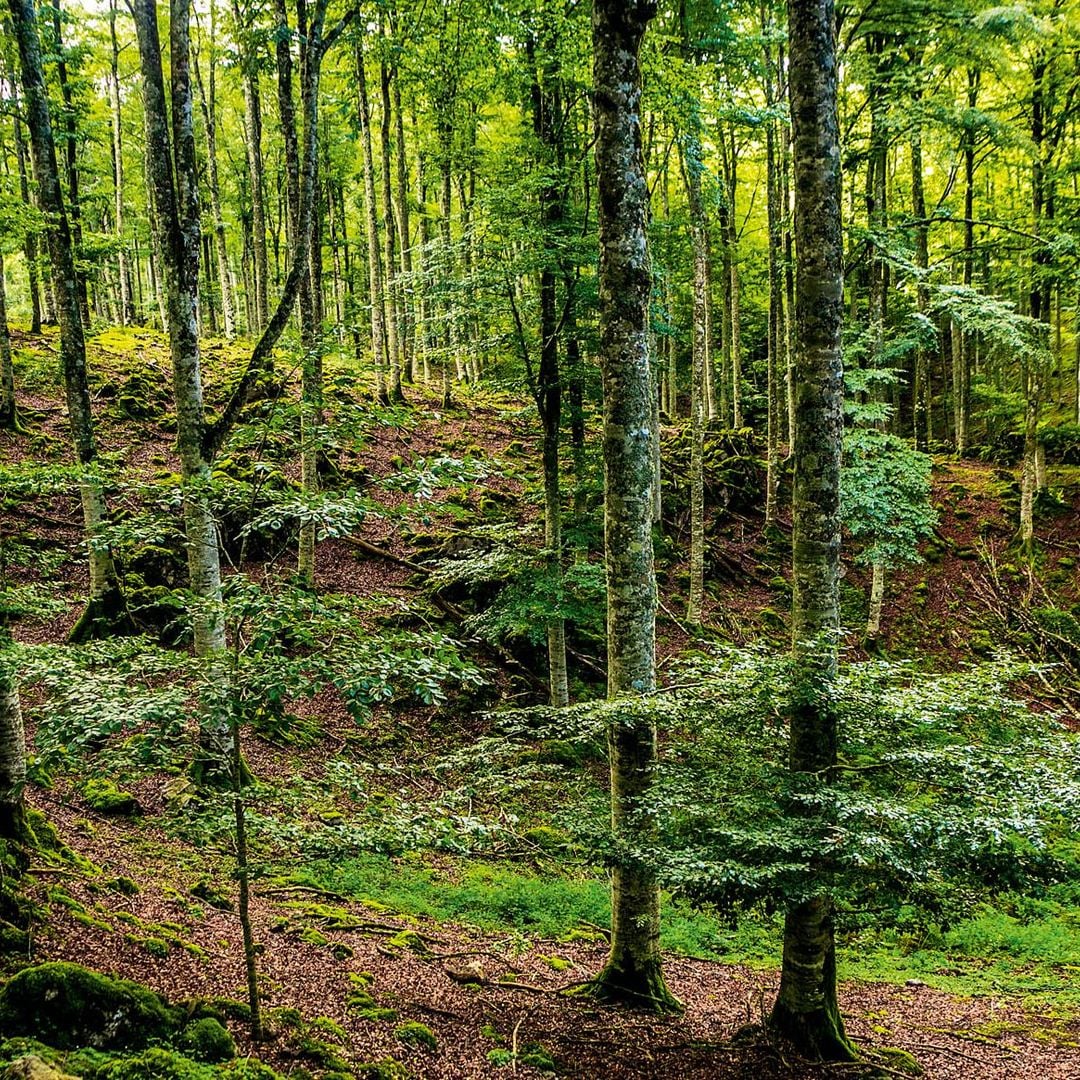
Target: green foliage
point(507, 575)
point(885, 496)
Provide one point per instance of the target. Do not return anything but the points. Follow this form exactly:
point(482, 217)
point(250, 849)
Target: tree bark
point(380, 360)
point(12, 748)
point(127, 303)
point(253, 150)
point(208, 102)
point(806, 1010)
point(633, 971)
point(693, 167)
point(9, 414)
point(105, 612)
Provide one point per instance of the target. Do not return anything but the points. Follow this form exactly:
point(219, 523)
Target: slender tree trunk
point(127, 304)
point(546, 113)
point(633, 972)
point(877, 601)
point(774, 390)
point(692, 166)
point(921, 403)
point(71, 144)
point(401, 216)
point(30, 244)
point(9, 414)
point(256, 172)
point(371, 219)
point(393, 335)
point(806, 1010)
point(12, 748)
point(105, 611)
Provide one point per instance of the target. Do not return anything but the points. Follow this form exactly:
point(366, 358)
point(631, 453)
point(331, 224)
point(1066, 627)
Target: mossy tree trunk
point(106, 611)
point(177, 234)
point(12, 747)
point(633, 971)
point(806, 1010)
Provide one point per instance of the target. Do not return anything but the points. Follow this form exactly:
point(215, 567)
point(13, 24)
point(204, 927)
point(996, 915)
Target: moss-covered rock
point(31, 1067)
point(208, 1040)
point(68, 1006)
point(106, 798)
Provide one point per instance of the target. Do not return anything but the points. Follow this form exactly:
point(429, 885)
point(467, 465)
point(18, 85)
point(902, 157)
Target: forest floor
point(412, 930)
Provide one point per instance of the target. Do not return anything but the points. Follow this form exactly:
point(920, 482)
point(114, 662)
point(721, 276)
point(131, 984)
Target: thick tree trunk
point(806, 1010)
point(633, 972)
point(105, 611)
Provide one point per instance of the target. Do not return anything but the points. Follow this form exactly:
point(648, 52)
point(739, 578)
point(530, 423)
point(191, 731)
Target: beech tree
point(633, 971)
point(105, 609)
point(806, 1010)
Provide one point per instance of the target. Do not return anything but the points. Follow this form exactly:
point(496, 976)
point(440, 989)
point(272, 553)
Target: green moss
point(206, 891)
point(68, 1006)
point(106, 798)
point(386, 1069)
point(413, 1033)
point(155, 946)
point(157, 1063)
point(538, 1057)
point(208, 1040)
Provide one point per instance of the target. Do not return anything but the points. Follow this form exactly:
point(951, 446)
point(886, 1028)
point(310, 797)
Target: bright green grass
point(991, 952)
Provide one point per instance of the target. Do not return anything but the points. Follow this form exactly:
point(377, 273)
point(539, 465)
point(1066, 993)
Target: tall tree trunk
point(393, 336)
point(371, 219)
point(105, 612)
point(208, 102)
point(774, 384)
point(12, 747)
point(30, 243)
point(9, 414)
point(127, 303)
point(546, 110)
point(921, 423)
point(401, 217)
point(256, 171)
point(806, 1010)
point(71, 145)
point(693, 168)
point(633, 971)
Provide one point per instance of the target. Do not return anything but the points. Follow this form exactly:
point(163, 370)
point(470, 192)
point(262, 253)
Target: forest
point(539, 539)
